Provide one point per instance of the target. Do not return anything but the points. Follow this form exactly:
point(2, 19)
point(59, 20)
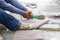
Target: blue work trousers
point(8, 20)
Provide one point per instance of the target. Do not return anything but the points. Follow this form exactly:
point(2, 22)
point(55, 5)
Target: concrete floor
point(32, 35)
point(23, 35)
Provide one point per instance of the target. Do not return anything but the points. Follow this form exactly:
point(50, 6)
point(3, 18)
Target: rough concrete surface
point(23, 35)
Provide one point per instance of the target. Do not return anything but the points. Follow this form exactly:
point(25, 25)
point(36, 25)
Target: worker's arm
point(10, 8)
point(16, 4)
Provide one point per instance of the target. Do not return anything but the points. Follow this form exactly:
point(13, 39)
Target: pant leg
point(16, 4)
point(9, 21)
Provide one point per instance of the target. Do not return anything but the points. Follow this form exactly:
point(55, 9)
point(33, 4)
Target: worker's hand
point(27, 14)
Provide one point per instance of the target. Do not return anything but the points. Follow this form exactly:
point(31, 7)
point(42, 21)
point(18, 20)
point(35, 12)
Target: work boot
point(30, 26)
point(24, 26)
point(3, 29)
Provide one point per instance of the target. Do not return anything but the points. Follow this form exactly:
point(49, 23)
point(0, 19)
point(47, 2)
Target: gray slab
point(23, 35)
